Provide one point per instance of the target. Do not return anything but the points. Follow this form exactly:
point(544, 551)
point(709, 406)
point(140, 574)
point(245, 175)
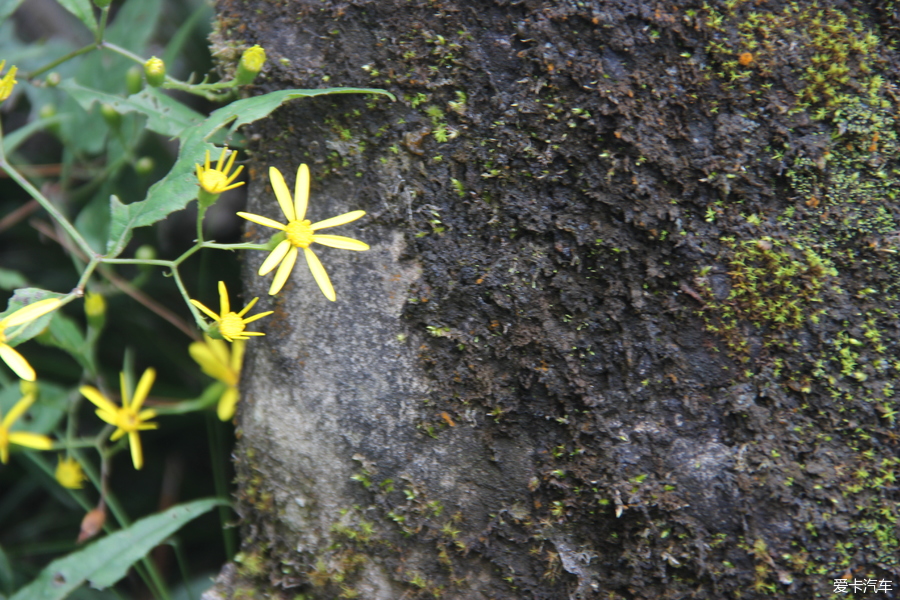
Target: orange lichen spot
point(618, 134)
point(479, 280)
point(446, 417)
point(812, 202)
point(874, 145)
point(745, 58)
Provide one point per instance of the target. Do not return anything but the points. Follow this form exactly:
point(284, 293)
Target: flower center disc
point(213, 181)
point(231, 326)
point(299, 233)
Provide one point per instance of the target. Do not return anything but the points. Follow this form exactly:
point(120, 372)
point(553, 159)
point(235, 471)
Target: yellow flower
point(215, 181)
point(25, 314)
point(129, 418)
point(231, 325)
point(20, 438)
point(69, 473)
point(299, 233)
point(216, 361)
point(8, 81)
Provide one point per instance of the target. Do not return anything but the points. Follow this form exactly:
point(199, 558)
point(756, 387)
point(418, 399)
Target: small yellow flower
point(20, 438)
point(215, 181)
point(24, 315)
point(69, 473)
point(299, 233)
point(129, 418)
point(216, 361)
point(231, 325)
point(8, 81)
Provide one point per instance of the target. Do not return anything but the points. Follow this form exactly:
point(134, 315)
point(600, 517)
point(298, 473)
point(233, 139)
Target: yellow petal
point(258, 316)
point(17, 363)
point(30, 440)
point(143, 388)
point(319, 274)
point(247, 308)
point(275, 257)
point(227, 404)
point(4, 452)
point(18, 410)
point(98, 399)
point(137, 455)
point(339, 241)
point(237, 357)
point(281, 275)
point(211, 364)
point(224, 303)
point(260, 220)
point(117, 434)
point(31, 312)
point(282, 194)
point(301, 192)
point(338, 220)
point(208, 312)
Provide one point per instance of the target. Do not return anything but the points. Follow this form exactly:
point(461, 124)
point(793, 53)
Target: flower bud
point(155, 71)
point(251, 63)
point(134, 81)
point(111, 116)
point(53, 79)
point(144, 165)
point(95, 310)
point(145, 252)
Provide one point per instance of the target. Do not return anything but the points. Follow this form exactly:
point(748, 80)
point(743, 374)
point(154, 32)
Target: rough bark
point(628, 324)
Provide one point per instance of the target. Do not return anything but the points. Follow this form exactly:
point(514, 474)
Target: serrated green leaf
point(165, 115)
point(83, 10)
point(106, 561)
point(179, 186)
point(26, 331)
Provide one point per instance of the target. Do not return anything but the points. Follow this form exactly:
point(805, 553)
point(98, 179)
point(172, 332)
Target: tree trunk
point(628, 324)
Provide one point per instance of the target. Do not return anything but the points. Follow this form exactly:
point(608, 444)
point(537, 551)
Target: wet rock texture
point(628, 324)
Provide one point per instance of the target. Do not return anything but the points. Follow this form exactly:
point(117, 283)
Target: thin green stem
point(62, 59)
point(201, 213)
point(126, 53)
point(104, 15)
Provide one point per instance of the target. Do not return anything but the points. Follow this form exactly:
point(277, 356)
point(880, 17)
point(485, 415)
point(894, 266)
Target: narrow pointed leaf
point(107, 560)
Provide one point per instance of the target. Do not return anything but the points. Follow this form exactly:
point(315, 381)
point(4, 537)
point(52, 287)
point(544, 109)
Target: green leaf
point(10, 280)
point(83, 10)
point(179, 186)
point(26, 331)
point(165, 115)
point(45, 414)
point(14, 139)
point(133, 25)
point(64, 334)
point(93, 220)
point(106, 561)
point(8, 7)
